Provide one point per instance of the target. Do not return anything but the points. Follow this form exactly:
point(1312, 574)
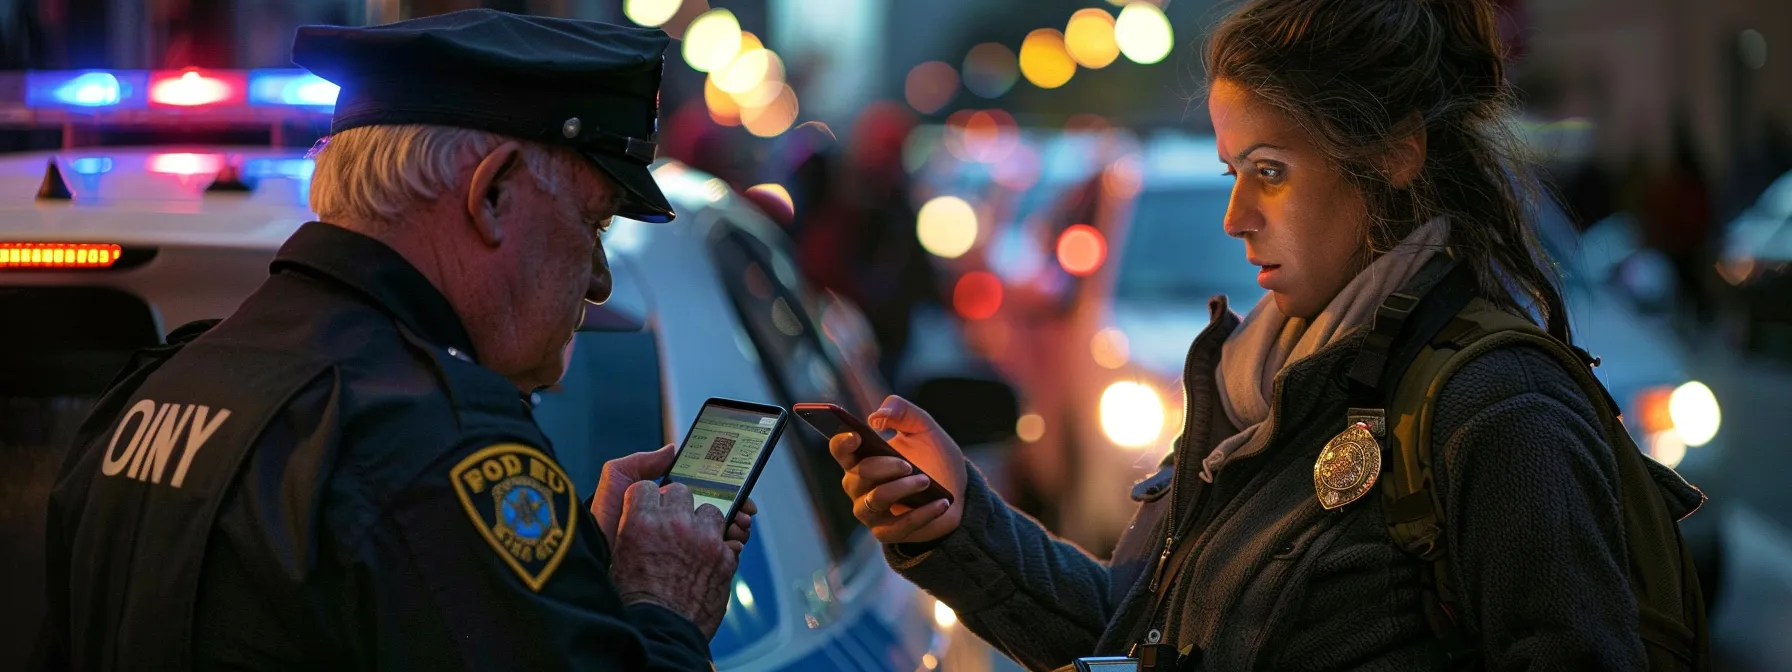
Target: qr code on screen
point(719, 449)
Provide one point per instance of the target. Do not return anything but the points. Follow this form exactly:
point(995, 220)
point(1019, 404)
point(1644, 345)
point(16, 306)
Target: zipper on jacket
point(1163, 559)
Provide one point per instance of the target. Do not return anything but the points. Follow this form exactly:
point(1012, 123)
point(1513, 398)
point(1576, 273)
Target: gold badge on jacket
point(1347, 467)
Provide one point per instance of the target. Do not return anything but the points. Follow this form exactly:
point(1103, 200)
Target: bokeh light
point(989, 135)
point(947, 226)
point(722, 107)
point(1081, 250)
point(1132, 414)
point(746, 71)
point(1123, 177)
point(1090, 38)
point(713, 40)
point(1143, 33)
point(1695, 412)
point(978, 295)
point(1110, 348)
point(1043, 60)
point(773, 118)
point(650, 13)
point(1667, 448)
point(990, 69)
point(774, 198)
point(1030, 428)
point(930, 86)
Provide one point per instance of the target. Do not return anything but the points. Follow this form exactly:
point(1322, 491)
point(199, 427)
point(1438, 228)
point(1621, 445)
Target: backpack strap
point(1671, 622)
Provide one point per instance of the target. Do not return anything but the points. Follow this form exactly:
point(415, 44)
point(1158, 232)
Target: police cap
point(590, 86)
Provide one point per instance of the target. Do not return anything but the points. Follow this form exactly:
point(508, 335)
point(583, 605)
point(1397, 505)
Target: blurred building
point(1714, 75)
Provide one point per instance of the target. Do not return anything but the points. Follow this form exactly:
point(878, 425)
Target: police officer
point(344, 473)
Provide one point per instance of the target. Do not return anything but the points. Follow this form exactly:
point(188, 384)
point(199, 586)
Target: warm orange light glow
point(930, 86)
point(772, 196)
point(1652, 410)
point(1044, 61)
point(774, 118)
point(1089, 37)
point(58, 255)
point(978, 295)
point(1081, 250)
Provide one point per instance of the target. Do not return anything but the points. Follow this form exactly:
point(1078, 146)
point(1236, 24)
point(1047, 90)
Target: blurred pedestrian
point(1395, 461)
point(858, 236)
point(345, 472)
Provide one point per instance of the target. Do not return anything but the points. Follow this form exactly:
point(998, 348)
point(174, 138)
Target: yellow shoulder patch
point(521, 501)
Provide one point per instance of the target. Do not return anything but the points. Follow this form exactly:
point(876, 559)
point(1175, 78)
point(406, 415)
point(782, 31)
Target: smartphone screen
point(722, 454)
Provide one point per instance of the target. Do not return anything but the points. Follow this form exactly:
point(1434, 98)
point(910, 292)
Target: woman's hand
point(877, 483)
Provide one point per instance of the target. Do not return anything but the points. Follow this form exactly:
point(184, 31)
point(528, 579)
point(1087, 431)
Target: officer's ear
point(486, 192)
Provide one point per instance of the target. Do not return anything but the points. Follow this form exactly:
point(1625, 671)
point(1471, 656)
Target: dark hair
point(1359, 76)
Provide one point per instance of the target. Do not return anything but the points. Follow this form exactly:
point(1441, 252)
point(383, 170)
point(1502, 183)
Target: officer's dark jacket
point(1268, 579)
point(306, 516)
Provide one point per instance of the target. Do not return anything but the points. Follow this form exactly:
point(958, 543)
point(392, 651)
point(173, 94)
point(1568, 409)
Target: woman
point(1365, 138)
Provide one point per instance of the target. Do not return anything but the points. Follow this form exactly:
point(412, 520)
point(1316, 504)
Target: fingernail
point(925, 481)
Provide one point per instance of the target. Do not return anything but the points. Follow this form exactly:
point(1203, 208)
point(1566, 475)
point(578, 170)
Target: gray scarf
point(1268, 341)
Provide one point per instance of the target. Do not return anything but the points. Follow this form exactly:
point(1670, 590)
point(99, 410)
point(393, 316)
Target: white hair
point(378, 173)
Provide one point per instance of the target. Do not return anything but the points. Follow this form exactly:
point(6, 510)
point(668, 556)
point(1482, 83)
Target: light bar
point(86, 89)
point(291, 87)
point(58, 255)
point(193, 88)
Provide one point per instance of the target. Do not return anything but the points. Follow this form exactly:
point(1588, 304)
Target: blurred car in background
point(103, 250)
point(1150, 249)
point(1756, 261)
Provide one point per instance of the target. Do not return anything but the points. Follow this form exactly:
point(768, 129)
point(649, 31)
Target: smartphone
point(832, 420)
point(724, 451)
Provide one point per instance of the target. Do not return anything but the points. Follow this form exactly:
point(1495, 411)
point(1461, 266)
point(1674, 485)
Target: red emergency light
point(193, 88)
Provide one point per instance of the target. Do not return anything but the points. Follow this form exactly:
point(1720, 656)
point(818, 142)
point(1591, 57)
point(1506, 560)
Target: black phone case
point(765, 455)
point(836, 420)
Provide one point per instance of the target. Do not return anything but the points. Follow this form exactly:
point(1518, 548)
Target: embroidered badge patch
point(521, 502)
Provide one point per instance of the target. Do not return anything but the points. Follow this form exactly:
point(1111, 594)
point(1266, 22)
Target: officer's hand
point(673, 556)
point(618, 475)
point(876, 483)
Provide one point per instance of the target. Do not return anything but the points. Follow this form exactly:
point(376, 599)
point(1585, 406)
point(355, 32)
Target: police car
point(105, 249)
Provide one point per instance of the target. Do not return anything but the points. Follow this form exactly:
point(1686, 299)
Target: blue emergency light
point(291, 87)
point(86, 89)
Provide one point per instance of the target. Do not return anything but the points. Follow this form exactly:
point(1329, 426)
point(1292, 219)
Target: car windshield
point(1176, 250)
point(609, 405)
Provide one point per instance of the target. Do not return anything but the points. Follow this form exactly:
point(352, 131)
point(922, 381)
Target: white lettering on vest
point(196, 438)
point(162, 445)
point(159, 428)
point(164, 418)
point(116, 463)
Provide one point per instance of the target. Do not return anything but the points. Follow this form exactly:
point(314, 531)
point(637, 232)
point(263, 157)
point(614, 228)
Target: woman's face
point(1302, 224)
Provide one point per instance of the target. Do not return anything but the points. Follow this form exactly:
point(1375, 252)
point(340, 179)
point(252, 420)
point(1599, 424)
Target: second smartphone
point(831, 420)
